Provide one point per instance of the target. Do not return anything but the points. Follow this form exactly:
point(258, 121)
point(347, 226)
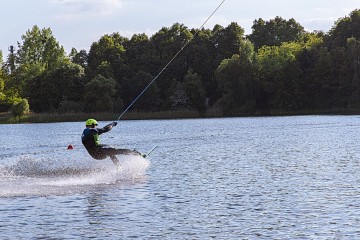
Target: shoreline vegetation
point(278, 69)
point(7, 118)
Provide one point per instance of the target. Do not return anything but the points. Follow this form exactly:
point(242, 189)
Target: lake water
point(231, 178)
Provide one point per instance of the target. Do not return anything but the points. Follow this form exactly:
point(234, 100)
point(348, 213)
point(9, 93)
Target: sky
point(79, 23)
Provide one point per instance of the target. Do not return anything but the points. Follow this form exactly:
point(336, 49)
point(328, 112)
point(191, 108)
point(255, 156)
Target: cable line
point(172, 59)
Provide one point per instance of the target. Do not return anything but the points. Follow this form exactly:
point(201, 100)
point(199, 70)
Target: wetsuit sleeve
point(104, 129)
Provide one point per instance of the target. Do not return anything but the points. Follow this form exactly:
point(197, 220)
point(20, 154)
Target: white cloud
point(70, 9)
point(324, 24)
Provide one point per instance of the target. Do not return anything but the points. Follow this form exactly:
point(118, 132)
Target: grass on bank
point(7, 118)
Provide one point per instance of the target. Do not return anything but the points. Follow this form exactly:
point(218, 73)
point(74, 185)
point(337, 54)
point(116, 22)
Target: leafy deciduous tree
point(195, 91)
point(344, 28)
point(80, 58)
point(237, 78)
point(275, 32)
point(149, 100)
point(40, 46)
point(20, 109)
point(108, 49)
point(99, 94)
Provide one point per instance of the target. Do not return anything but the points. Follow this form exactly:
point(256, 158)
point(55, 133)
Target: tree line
point(278, 67)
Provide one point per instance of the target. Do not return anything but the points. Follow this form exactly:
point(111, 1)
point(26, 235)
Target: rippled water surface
point(233, 178)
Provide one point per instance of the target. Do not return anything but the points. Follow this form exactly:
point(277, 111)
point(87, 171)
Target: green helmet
point(90, 122)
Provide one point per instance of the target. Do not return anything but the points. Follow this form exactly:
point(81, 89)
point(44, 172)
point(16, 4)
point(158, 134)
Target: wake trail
point(43, 176)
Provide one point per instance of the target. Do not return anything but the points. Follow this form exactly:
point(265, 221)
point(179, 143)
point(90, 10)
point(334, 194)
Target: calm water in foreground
point(234, 178)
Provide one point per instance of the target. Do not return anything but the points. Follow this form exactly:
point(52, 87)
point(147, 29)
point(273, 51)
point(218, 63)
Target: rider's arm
point(106, 128)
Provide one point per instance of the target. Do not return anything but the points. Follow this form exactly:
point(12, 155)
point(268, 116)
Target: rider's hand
point(114, 124)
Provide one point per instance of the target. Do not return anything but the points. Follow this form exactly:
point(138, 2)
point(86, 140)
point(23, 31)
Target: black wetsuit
point(90, 139)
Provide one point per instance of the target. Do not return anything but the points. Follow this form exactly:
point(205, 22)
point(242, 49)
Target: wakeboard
point(147, 154)
point(137, 153)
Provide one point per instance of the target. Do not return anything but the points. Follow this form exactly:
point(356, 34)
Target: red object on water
point(70, 147)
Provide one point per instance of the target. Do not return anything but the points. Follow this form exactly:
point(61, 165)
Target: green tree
point(2, 85)
point(109, 49)
point(339, 89)
point(80, 58)
point(310, 60)
point(275, 32)
point(141, 60)
point(99, 94)
point(168, 42)
point(39, 46)
point(107, 58)
point(8, 96)
point(227, 41)
point(49, 90)
point(37, 54)
point(195, 91)
point(179, 99)
point(322, 86)
point(279, 73)
point(65, 87)
point(105, 70)
point(27, 79)
point(141, 55)
point(20, 109)
point(353, 47)
point(201, 61)
point(150, 99)
point(237, 78)
point(344, 28)
point(1, 75)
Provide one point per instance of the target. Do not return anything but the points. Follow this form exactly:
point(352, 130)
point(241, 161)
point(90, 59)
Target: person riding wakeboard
point(91, 141)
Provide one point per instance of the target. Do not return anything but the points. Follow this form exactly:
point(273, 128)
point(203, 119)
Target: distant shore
point(6, 118)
